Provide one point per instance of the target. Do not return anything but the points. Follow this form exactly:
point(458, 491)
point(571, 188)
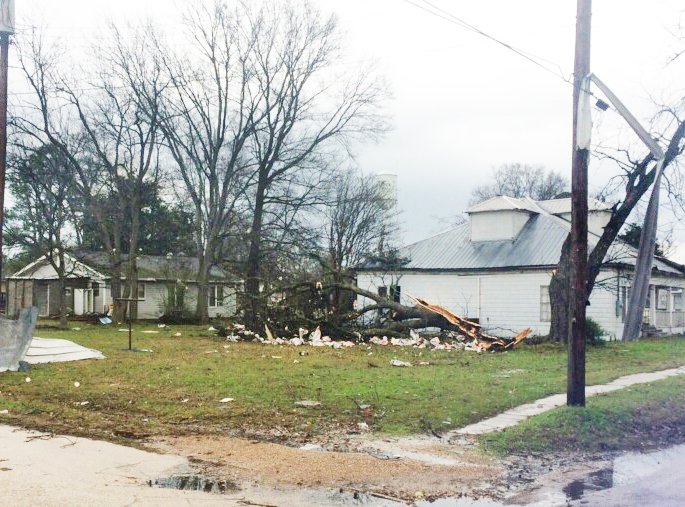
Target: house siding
point(503, 302)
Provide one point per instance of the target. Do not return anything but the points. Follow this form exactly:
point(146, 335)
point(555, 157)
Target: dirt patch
point(371, 470)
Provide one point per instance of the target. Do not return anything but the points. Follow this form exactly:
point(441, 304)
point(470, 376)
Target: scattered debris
point(467, 336)
point(161, 325)
point(84, 403)
point(177, 334)
point(397, 362)
point(4, 412)
point(75, 328)
point(105, 320)
point(307, 403)
point(478, 339)
point(225, 400)
point(185, 400)
point(27, 379)
point(150, 331)
point(77, 384)
point(15, 338)
point(311, 447)
point(53, 350)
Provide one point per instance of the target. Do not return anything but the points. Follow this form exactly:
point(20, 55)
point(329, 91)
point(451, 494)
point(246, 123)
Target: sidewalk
point(517, 414)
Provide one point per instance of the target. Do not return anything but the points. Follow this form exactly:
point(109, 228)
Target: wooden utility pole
point(575, 392)
point(6, 28)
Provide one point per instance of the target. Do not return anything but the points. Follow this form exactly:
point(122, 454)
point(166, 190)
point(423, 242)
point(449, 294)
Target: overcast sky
point(462, 104)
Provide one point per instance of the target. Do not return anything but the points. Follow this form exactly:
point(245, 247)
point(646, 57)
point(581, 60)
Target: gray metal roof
point(538, 245)
point(559, 206)
point(157, 266)
point(503, 202)
point(553, 206)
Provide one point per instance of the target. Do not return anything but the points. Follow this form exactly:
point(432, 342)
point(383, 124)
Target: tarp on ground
point(15, 338)
point(50, 350)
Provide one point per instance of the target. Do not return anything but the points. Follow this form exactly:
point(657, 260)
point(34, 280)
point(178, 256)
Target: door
point(79, 298)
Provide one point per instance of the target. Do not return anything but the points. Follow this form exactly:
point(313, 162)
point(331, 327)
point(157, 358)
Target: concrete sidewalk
point(521, 413)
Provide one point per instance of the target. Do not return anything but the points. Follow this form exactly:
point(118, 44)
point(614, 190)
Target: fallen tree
point(392, 319)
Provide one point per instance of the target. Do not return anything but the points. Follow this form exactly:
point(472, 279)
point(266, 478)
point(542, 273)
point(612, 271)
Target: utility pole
point(582, 128)
point(6, 28)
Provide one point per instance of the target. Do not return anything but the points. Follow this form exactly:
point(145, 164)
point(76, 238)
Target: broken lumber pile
point(472, 331)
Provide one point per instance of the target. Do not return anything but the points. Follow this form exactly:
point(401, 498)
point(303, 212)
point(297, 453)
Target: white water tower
point(388, 190)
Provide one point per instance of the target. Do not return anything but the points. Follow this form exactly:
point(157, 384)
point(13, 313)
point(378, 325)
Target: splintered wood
point(472, 330)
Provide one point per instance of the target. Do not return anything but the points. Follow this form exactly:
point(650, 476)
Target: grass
point(177, 388)
point(639, 417)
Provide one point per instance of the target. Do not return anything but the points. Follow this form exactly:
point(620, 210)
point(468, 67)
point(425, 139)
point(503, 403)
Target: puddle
point(632, 478)
point(595, 481)
point(194, 483)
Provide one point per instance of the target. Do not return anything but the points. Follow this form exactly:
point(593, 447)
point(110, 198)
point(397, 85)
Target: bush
point(594, 332)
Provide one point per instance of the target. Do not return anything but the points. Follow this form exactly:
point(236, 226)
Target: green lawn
point(136, 394)
point(639, 417)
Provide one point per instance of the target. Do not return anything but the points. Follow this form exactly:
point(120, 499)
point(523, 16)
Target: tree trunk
point(559, 295)
point(201, 307)
point(119, 311)
point(254, 314)
point(62, 301)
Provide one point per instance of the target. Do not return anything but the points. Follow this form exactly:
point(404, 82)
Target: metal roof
point(538, 245)
point(502, 203)
point(553, 206)
point(157, 266)
point(559, 206)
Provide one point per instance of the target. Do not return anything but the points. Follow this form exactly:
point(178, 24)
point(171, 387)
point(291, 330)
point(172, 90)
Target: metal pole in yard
point(582, 128)
point(6, 28)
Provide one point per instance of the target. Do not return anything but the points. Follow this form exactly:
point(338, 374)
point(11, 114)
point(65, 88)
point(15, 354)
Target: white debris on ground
point(453, 341)
point(52, 350)
point(397, 362)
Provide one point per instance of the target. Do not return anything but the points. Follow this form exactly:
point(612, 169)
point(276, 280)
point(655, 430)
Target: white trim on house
point(18, 275)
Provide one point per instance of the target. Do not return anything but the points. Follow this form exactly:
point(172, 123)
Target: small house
point(165, 283)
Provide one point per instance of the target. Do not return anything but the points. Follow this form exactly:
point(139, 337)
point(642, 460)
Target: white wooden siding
point(506, 302)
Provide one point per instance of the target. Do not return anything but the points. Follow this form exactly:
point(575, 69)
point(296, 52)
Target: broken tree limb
point(482, 340)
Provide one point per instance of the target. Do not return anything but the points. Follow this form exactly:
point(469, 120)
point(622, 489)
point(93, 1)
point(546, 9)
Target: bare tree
point(40, 221)
point(356, 225)
point(207, 113)
point(303, 111)
point(522, 180)
point(110, 144)
point(637, 176)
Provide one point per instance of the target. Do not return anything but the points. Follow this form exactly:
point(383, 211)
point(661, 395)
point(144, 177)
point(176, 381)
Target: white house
point(160, 280)
point(496, 268)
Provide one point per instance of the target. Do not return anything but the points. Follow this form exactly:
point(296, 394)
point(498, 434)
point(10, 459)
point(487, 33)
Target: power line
point(451, 18)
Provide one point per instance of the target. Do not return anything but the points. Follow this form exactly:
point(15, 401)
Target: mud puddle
point(194, 483)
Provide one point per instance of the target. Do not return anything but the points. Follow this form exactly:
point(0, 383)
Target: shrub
point(594, 332)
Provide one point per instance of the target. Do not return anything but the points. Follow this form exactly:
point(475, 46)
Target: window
point(662, 297)
point(96, 289)
point(625, 298)
point(141, 290)
point(395, 293)
point(677, 300)
point(67, 291)
point(216, 295)
point(545, 305)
